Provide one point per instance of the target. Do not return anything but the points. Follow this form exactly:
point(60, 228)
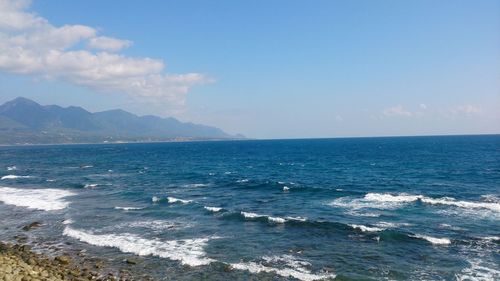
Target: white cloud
point(423, 106)
point(466, 109)
point(396, 111)
point(108, 43)
point(29, 44)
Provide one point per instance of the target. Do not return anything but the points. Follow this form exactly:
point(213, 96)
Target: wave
point(40, 199)
point(190, 185)
point(493, 206)
point(479, 271)
point(242, 180)
point(187, 251)
point(285, 266)
point(433, 240)
point(177, 200)
point(153, 224)
point(286, 188)
point(13, 177)
point(128, 208)
point(11, 168)
point(389, 201)
point(155, 199)
point(67, 221)
point(366, 228)
point(276, 219)
point(213, 209)
point(94, 185)
point(248, 215)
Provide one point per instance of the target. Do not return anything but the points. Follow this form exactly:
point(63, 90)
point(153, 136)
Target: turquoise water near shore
point(405, 208)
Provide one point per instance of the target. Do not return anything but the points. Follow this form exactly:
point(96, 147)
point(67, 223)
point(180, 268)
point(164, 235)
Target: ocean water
point(409, 208)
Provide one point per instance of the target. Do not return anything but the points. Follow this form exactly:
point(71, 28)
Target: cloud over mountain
point(31, 45)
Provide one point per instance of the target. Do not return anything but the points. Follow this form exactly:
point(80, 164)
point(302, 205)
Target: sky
point(265, 69)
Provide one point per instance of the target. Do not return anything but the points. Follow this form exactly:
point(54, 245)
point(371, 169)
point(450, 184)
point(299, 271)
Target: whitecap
point(462, 204)
point(213, 209)
point(276, 219)
point(86, 166)
point(249, 215)
point(187, 251)
point(286, 188)
point(242, 180)
point(479, 271)
point(384, 224)
point(177, 200)
point(433, 240)
point(285, 266)
point(155, 199)
point(13, 177)
point(11, 168)
point(128, 208)
point(190, 185)
point(296, 218)
point(153, 224)
point(67, 221)
point(366, 228)
point(40, 199)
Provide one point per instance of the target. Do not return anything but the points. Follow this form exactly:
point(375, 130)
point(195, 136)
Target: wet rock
point(131, 261)
point(32, 225)
point(62, 259)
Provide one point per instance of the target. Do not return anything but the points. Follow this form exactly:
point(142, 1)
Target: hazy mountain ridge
point(24, 121)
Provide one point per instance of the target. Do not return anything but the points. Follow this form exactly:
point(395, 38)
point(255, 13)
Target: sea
point(386, 208)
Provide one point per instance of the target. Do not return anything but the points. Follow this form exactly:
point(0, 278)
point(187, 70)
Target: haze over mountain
point(23, 121)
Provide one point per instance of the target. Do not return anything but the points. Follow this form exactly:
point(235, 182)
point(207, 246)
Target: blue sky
point(266, 69)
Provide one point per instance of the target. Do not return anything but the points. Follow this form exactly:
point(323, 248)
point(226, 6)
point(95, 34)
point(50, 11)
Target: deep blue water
point(408, 208)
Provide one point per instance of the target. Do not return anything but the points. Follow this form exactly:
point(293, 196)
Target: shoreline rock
point(19, 263)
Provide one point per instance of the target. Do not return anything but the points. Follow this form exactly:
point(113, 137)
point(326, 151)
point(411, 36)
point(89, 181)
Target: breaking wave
point(187, 251)
point(285, 266)
point(40, 199)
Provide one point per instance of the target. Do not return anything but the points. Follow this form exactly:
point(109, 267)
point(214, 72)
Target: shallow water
point(419, 208)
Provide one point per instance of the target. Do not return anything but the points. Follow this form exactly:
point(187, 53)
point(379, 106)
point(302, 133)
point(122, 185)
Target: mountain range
point(23, 121)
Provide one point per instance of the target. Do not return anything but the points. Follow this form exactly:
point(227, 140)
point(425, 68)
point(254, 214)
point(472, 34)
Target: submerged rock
point(32, 225)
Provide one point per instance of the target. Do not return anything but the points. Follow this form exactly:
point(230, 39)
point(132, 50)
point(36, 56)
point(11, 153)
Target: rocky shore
point(19, 263)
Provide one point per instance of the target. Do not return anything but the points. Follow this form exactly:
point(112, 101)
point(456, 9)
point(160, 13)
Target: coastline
point(19, 262)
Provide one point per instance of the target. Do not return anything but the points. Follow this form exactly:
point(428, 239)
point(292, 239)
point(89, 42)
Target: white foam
point(128, 208)
point(285, 266)
point(13, 177)
point(94, 185)
point(366, 228)
point(386, 225)
point(155, 199)
point(187, 251)
point(177, 200)
point(40, 199)
point(433, 240)
point(86, 166)
point(493, 206)
point(67, 221)
point(249, 215)
point(276, 219)
point(286, 188)
point(389, 201)
point(196, 185)
point(478, 271)
point(242, 180)
point(213, 209)
point(296, 218)
point(11, 168)
point(491, 238)
point(153, 224)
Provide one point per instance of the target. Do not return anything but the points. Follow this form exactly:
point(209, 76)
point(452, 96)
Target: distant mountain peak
point(26, 121)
